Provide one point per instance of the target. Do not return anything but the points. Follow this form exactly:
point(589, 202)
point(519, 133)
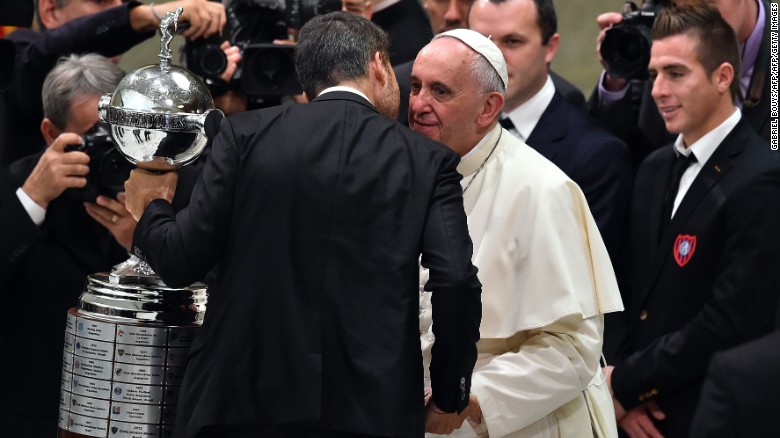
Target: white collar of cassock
point(470, 162)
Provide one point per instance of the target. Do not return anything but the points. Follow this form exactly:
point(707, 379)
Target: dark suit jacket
point(596, 160)
point(403, 74)
point(42, 274)
point(739, 398)
point(684, 309)
point(314, 315)
point(408, 27)
point(108, 33)
point(635, 118)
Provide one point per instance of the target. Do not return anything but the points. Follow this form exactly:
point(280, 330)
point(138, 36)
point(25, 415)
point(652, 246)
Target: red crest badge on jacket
point(684, 246)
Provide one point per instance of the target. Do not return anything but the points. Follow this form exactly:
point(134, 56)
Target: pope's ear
point(491, 109)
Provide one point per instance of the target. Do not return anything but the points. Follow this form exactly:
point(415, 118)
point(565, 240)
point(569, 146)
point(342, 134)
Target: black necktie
point(679, 167)
point(506, 123)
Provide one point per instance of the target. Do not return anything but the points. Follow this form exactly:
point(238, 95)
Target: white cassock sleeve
point(553, 366)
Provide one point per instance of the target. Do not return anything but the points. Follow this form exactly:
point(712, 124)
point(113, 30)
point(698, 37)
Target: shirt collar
point(347, 89)
point(704, 147)
point(527, 115)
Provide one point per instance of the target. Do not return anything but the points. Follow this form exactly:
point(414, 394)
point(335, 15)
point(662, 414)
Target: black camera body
point(108, 168)
point(626, 46)
point(266, 69)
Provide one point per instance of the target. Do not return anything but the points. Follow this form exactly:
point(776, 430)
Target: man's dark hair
point(336, 47)
point(545, 18)
point(716, 41)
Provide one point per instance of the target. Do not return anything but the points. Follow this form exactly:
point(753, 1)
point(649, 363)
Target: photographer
point(79, 26)
point(52, 240)
point(622, 102)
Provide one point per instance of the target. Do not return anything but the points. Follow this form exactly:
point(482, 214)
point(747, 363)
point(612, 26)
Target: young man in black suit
point(51, 241)
point(627, 109)
point(317, 215)
point(696, 247)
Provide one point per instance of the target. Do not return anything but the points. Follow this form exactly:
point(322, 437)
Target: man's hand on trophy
point(57, 170)
point(143, 187)
point(112, 214)
point(205, 17)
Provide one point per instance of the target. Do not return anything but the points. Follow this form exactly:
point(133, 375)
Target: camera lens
point(207, 60)
point(626, 50)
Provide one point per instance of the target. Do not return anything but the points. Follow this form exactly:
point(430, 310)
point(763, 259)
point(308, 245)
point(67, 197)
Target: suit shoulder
point(589, 133)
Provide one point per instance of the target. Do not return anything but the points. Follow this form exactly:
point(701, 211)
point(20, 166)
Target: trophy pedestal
point(126, 348)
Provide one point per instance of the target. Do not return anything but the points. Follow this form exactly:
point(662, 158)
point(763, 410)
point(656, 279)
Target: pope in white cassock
point(547, 279)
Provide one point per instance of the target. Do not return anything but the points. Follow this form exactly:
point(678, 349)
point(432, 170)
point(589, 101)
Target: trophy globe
point(158, 116)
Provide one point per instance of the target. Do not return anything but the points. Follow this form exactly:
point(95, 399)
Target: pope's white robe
point(546, 282)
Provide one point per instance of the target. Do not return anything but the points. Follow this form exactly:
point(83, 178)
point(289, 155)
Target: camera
point(108, 168)
point(626, 46)
point(266, 69)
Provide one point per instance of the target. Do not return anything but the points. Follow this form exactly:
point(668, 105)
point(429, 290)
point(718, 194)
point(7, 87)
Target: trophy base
point(126, 349)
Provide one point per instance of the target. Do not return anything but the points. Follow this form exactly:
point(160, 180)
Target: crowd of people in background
point(449, 237)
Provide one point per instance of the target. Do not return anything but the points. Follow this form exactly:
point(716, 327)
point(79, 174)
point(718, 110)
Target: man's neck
point(751, 19)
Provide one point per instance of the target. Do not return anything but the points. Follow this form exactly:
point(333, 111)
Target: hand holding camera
point(57, 170)
point(624, 42)
point(108, 168)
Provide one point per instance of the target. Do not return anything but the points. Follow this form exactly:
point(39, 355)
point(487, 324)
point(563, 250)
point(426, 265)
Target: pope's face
point(445, 100)
point(687, 97)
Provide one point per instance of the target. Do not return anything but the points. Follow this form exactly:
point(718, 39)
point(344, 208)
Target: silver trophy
point(157, 116)
point(126, 344)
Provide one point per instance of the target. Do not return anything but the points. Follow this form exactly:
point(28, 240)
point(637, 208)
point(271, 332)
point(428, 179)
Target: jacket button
point(643, 315)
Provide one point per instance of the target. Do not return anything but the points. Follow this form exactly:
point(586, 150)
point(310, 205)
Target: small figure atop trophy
point(170, 18)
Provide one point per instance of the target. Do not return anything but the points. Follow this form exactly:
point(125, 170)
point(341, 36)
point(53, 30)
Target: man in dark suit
point(536, 112)
point(697, 244)
point(51, 241)
point(312, 327)
point(739, 396)
point(627, 109)
point(453, 14)
point(76, 26)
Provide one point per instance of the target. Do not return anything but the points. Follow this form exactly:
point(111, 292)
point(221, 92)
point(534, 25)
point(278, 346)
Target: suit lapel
point(657, 200)
point(549, 132)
